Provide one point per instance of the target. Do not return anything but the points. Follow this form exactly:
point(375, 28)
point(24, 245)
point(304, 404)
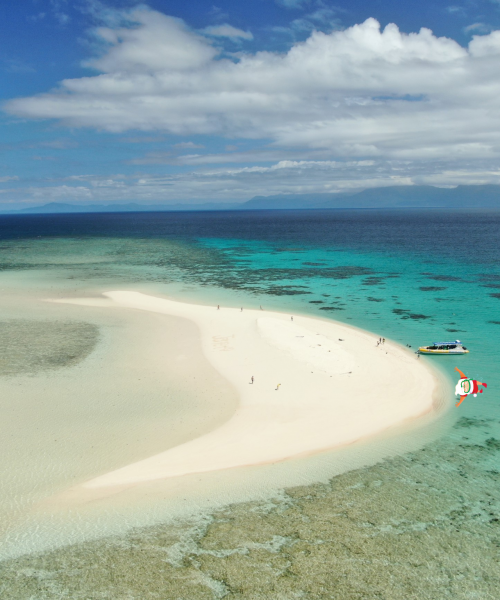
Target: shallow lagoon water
point(422, 525)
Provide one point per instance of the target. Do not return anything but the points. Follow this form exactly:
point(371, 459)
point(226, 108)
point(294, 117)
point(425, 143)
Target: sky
point(218, 101)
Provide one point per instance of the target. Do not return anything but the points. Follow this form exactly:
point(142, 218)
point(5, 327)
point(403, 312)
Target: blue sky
point(167, 102)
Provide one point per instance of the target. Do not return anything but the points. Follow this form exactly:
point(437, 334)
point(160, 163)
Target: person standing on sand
point(218, 307)
point(252, 379)
point(278, 386)
point(291, 318)
point(242, 309)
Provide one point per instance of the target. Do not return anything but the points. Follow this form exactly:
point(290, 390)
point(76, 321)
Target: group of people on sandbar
point(241, 310)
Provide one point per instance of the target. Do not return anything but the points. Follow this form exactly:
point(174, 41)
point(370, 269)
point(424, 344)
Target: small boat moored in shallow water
point(444, 348)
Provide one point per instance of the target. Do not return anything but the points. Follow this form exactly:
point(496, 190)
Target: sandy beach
point(317, 385)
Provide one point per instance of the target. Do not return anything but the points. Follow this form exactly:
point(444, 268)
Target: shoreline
point(337, 388)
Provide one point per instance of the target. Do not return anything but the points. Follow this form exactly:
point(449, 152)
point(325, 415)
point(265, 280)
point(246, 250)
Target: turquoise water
point(415, 277)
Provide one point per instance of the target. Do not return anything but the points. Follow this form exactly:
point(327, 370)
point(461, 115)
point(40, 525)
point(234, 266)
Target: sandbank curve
point(336, 386)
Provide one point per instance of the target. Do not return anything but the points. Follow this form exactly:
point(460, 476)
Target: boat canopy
point(456, 342)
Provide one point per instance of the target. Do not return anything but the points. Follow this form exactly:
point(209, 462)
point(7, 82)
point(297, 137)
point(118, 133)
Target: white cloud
point(299, 165)
point(358, 93)
point(478, 28)
point(227, 31)
point(486, 46)
point(235, 183)
point(456, 10)
point(154, 43)
point(59, 192)
point(8, 178)
point(186, 145)
point(58, 11)
point(323, 18)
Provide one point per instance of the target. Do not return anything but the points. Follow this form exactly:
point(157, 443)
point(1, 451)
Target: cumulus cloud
point(155, 43)
point(360, 93)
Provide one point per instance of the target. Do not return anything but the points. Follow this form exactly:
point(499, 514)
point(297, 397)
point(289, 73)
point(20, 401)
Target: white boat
point(444, 348)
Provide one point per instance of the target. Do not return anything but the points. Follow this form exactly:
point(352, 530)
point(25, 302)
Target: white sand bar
point(331, 393)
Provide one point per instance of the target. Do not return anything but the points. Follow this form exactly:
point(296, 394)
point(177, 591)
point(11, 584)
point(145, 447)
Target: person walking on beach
point(251, 379)
point(291, 318)
point(218, 307)
point(278, 386)
point(383, 340)
point(242, 309)
point(261, 307)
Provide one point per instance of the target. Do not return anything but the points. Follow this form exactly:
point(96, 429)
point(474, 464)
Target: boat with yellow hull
point(446, 348)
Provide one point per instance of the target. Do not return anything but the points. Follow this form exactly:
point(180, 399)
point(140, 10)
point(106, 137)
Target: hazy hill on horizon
point(418, 196)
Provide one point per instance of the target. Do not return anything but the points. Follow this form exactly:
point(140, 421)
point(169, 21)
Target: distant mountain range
point(402, 196)
point(417, 196)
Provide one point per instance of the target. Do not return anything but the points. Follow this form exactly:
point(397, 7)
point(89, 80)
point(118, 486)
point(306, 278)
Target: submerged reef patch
point(437, 277)
point(407, 314)
point(30, 347)
point(373, 281)
point(281, 290)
